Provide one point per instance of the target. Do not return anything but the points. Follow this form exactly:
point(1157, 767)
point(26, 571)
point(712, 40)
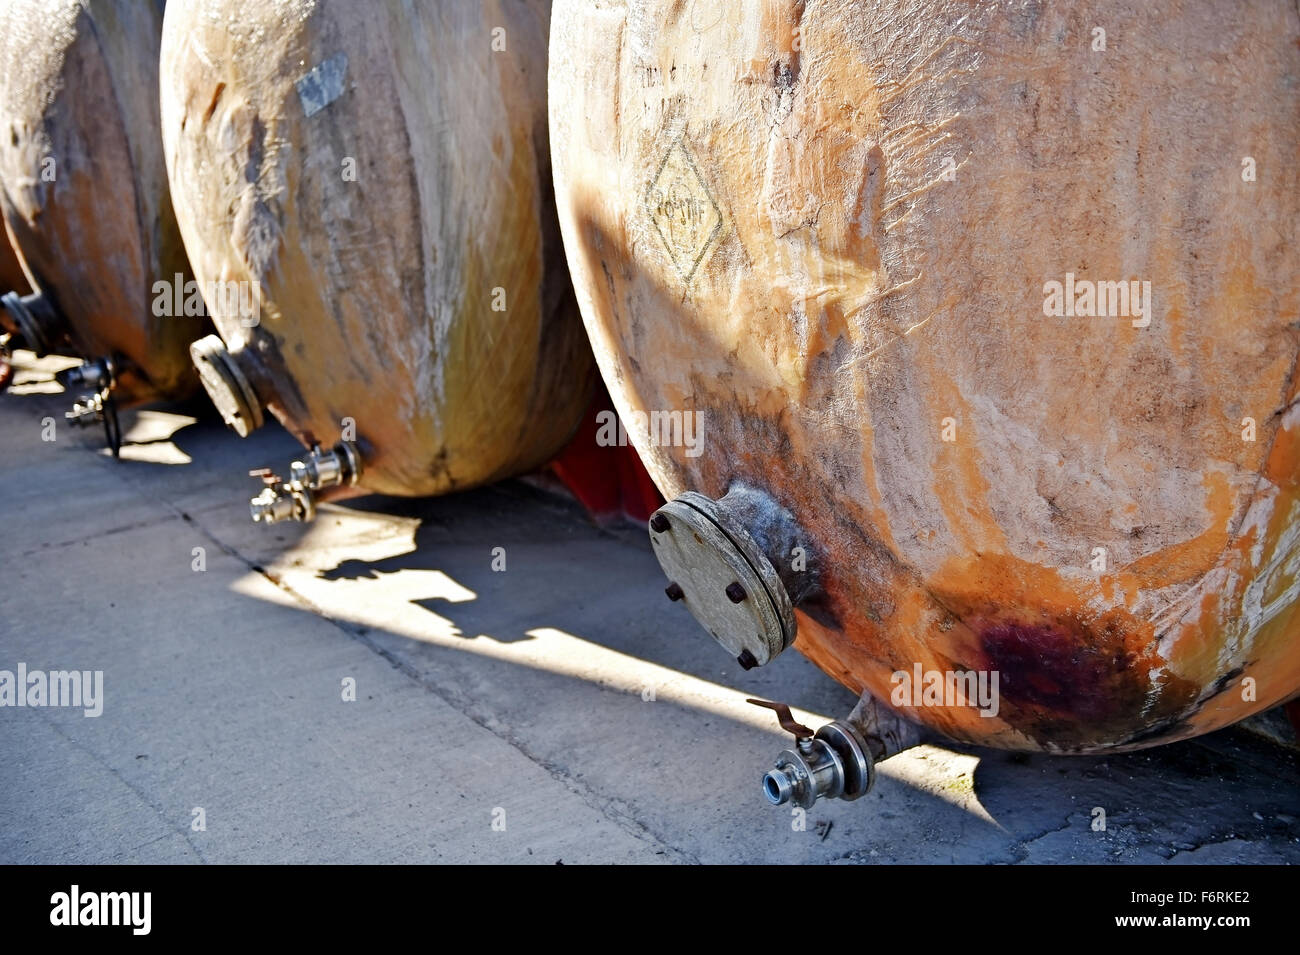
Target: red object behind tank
point(610, 482)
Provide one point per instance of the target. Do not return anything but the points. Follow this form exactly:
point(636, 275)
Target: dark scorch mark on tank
point(1072, 685)
point(1043, 667)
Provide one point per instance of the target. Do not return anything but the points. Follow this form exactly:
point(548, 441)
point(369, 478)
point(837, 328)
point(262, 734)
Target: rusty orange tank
point(373, 182)
point(964, 338)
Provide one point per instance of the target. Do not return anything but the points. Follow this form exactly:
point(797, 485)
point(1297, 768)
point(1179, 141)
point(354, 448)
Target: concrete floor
point(563, 697)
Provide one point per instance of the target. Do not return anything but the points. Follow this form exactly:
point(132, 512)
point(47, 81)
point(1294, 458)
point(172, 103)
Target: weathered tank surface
point(373, 182)
point(83, 191)
point(990, 323)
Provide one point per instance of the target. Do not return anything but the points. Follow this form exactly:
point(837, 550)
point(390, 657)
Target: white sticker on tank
point(323, 85)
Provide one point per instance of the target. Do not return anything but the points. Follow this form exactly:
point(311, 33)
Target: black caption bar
point(136, 905)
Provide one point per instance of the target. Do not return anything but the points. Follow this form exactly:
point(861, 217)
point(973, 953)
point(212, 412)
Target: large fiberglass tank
point(365, 192)
point(985, 318)
point(83, 191)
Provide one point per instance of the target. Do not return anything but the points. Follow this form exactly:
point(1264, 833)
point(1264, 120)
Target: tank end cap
point(227, 385)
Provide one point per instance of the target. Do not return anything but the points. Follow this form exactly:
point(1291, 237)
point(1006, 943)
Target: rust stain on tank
point(1070, 677)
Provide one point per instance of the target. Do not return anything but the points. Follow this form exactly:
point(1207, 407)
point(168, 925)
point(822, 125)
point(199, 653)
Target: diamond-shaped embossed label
point(683, 211)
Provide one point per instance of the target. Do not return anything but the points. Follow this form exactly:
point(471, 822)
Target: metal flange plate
point(723, 578)
point(30, 327)
point(227, 386)
point(859, 768)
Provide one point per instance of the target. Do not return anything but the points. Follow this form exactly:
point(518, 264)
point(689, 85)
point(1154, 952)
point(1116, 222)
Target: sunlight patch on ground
point(349, 567)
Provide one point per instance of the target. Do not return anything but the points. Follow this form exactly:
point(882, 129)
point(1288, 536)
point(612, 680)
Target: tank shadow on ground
point(491, 613)
point(191, 425)
point(1164, 803)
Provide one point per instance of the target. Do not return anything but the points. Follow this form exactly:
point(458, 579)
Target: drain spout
point(839, 760)
point(295, 499)
point(93, 382)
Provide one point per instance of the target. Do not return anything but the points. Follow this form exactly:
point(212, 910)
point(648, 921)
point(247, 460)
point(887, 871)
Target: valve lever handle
point(785, 718)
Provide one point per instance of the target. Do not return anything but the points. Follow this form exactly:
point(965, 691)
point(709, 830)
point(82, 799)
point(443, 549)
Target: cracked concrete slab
point(562, 698)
